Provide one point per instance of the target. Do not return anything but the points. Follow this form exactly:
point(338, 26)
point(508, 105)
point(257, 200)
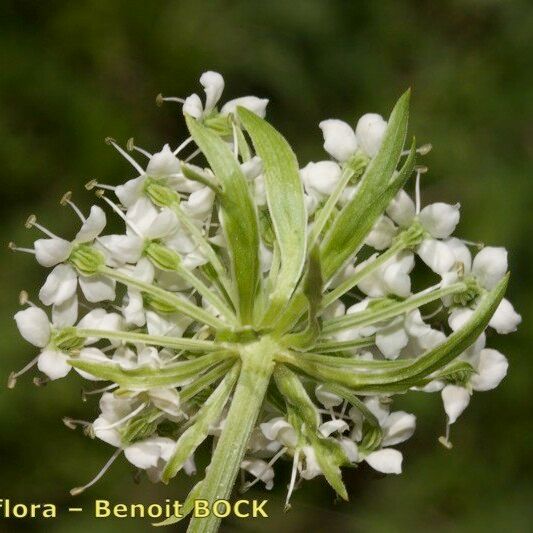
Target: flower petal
point(93, 226)
point(505, 319)
point(437, 255)
point(388, 461)
point(50, 252)
point(34, 326)
point(213, 84)
point(402, 209)
point(253, 103)
point(54, 364)
point(491, 369)
point(440, 219)
point(339, 139)
point(369, 132)
point(59, 286)
point(490, 265)
point(456, 400)
point(97, 288)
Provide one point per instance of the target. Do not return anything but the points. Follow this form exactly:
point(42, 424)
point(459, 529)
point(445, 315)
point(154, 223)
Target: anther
point(69, 422)
point(12, 380)
point(90, 185)
point(30, 221)
point(23, 297)
point(40, 381)
point(65, 199)
point(425, 149)
point(100, 193)
point(445, 442)
point(123, 153)
point(159, 100)
point(130, 144)
point(421, 169)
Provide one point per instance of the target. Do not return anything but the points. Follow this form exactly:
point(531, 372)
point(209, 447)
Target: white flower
point(52, 251)
point(320, 178)
point(342, 142)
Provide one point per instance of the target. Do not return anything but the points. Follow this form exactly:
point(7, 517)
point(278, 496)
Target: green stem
point(179, 303)
point(179, 343)
point(369, 316)
point(257, 368)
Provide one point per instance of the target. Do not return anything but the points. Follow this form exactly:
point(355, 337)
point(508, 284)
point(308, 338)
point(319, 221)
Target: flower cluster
point(271, 307)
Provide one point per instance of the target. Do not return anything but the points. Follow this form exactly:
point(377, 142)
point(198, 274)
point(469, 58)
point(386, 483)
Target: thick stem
point(257, 368)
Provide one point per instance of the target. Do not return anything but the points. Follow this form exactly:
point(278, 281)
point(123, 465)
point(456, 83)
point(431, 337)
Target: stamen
point(121, 151)
point(419, 171)
point(73, 423)
point(78, 490)
point(478, 245)
point(293, 480)
point(235, 142)
point(14, 248)
point(183, 145)
point(272, 461)
point(160, 99)
point(130, 146)
point(445, 440)
point(90, 185)
point(12, 379)
point(41, 381)
point(85, 393)
point(126, 418)
point(101, 194)
point(66, 200)
point(32, 222)
point(422, 150)
point(193, 155)
point(434, 313)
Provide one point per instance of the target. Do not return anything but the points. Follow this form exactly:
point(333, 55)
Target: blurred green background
point(74, 72)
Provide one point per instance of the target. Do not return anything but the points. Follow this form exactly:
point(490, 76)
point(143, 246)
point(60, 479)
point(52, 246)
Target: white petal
point(437, 255)
point(252, 168)
point(456, 400)
point(97, 288)
point(54, 364)
point(490, 265)
point(391, 339)
point(402, 209)
point(200, 202)
point(93, 225)
point(164, 224)
point(321, 177)
point(142, 214)
point(339, 139)
point(397, 280)
point(59, 286)
point(440, 219)
point(163, 163)
point(50, 252)
point(381, 235)
point(111, 436)
point(331, 426)
point(279, 429)
point(123, 248)
point(66, 314)
point(350, 449)
point(167, 400)
point(461, 253)
point(491, 369)
point(143, 454)
point(213, 84)
point(312, 468)
point(369, 132)
point(34, 326)
point(505, 319)
point(415, 325)
point(388, 461)
point(459, 317)
point(193, 106)
point(398, 427)
point(326, 398)
point(252, 103)
point(129, 192)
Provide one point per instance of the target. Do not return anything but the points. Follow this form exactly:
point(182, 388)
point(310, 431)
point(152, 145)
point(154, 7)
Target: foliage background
point(75, 72)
